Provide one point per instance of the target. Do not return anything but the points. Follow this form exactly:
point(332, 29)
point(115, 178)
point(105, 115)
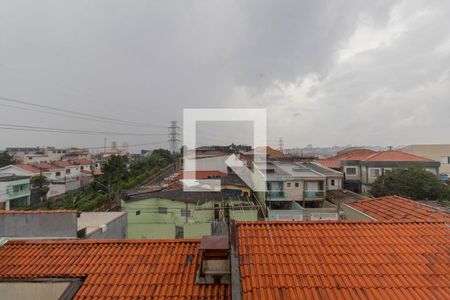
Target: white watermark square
point(191, 116)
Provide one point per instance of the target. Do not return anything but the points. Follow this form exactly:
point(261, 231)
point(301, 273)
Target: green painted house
point(178, 214)
point(14, 191)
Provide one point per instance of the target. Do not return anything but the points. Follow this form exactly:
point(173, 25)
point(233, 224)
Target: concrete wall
point(353, 214)
point(36, 224)
point(293, 192)
point(212, 164)
point(116, 229)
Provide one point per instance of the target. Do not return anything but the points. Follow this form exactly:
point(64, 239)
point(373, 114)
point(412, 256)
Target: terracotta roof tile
point(157, 269)
point(395, 208)
point(28, 168)
point(82, 161)
point(344, 260)
point(395, 156)
point(63, 164)
point(46, 166)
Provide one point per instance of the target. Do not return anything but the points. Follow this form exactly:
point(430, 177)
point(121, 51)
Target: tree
point(6, 159)
point(414, 183)
point(115, 170)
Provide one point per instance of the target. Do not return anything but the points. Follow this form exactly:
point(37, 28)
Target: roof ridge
point(418, 221)
point(106, 241)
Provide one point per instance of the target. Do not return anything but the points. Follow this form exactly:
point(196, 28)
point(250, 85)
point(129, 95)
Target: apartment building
point(361, 167)
point(293, 186)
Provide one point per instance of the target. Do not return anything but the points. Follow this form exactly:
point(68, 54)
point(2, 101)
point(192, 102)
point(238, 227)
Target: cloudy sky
point(328, 72)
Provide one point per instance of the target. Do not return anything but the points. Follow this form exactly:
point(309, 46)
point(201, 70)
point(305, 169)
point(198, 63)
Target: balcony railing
point(12, 194)
point(313, 194)
point(271, 195)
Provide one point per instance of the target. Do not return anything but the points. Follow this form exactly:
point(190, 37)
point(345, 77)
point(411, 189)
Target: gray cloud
point(329, 72)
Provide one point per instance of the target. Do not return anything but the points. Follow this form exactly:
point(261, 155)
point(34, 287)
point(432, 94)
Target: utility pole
point(280, 144)
point(105, 145)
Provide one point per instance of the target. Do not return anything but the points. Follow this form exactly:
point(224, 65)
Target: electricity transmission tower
point(280, 144)
point(173, 137)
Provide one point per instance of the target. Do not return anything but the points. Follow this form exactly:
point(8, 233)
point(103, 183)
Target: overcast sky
point(328, 72)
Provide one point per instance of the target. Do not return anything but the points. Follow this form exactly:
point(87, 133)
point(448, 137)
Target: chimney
point(215, 260)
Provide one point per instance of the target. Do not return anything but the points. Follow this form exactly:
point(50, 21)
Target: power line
point(71, 131)
point(72, 112)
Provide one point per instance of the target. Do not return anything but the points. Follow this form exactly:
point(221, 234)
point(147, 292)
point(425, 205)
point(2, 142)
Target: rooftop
point(200, 175)
point(63, 164)
point(11, 177)
point(125, 269)
point(370, 155)
point(288, 169)
point(395, 208)
point(28, 168)
point(56, 211)
point(344, 260)
point(46, 166)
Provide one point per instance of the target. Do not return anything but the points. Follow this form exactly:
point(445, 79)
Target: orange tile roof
point(395, 208)
point(395, 155)
point(200, 174)
point(63, 163)
point(129, 269)
point(28, 168)
point(82, 161)
point(329, 163)
point(46, 166)
point(344, 260)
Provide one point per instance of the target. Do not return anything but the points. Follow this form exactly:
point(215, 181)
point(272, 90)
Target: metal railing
point(313, 194)
point(274, 195)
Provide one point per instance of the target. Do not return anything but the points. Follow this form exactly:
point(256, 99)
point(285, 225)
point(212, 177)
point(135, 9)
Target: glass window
point(350, 171)
point(179, 232)
point(58, 173)
point(332, 182)
point(67, 171)
point(162, 210)
point(185, 212)
point(374, 172)
point(297, 184)
point(288, 184)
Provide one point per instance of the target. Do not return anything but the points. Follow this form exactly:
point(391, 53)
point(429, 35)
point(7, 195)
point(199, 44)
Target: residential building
point(293, 186)
point(437, 152)
point(70, 170)
point(260, 154)
point(257, 260)
point(14, 191)
point(362, 167)
point(20, 170)
point(178, 214)
point(62, 224)
point(52, 172)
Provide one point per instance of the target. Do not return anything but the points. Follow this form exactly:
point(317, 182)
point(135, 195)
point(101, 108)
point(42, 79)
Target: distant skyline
point(328, 72)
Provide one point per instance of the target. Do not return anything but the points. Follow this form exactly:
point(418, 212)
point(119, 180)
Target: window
point(57, 174)
point(185, 212)
point(332, 182)
point(82, 168)
point(67, 171)
point(350, 171)
point(374, 173)
point(445, 160)
point(288, 184)
point(162, 210)
point(16, 188)
point(179, 232)
point(297, 184)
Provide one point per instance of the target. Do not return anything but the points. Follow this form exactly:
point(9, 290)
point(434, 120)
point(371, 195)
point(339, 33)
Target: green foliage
point(115, 170)
point(414, 183)
point(36, 180)
point(140, 178)
point(6, 159)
